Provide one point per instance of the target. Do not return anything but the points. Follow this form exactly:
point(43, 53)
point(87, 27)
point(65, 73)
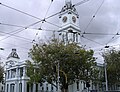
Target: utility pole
point(105, 64)
point(58, 86)
point(106, 81)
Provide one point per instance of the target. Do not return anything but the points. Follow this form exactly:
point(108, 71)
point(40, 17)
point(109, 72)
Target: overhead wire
point(113, 37)
point(56, 14)
point(32, 16)
point(18, 31)
point(10, 25)
point(29, 14)
point(17, 10)
point(42, 22)
point(26, 39)
point(99, 33)
point(93, 16)
point(84, 31)
point(91, 40)
point(81, 2)
point(13, 25)
point(15, 45)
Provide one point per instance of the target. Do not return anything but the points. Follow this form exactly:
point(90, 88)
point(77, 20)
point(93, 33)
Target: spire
point(68, 4)
point(67, 1)
point(69, 7)
point(13, 54)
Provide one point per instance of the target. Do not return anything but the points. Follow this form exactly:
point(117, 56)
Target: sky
point(99, 22)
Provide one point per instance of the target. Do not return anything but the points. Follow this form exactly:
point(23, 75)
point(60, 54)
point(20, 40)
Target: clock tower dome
point(69, 21)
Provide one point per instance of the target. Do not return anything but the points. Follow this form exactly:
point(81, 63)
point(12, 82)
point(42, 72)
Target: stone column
point(24, 71)
point(7, 87)
point(17, 80)
point(34, 87)
point(17, 74)
point(10, 74)
point(24, 86)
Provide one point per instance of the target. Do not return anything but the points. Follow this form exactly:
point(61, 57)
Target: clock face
point(64, 19)
point(74, 19)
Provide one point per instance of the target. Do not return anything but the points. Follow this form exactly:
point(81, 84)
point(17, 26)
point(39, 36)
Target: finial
point(67, 1)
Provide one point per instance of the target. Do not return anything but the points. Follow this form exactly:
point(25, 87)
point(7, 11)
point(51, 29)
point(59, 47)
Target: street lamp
point(106, 80)
point(58, 78)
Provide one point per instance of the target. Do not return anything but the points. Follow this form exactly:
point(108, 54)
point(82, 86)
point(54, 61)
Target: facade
point(16, 79)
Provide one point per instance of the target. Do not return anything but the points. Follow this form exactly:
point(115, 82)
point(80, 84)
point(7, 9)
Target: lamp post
point(58, 78)
point(106, 81)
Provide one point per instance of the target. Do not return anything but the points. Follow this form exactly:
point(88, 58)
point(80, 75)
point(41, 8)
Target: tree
point(75, 63)
point(112, 59)
point(1, 73)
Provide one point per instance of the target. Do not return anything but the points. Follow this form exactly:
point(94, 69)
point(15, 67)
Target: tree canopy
point(75, 63)
point(112, 59)
point(1, 73)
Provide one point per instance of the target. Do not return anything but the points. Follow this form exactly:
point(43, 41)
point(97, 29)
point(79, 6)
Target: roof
point(13, 54)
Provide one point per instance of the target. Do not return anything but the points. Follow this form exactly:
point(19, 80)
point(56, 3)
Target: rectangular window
point(76, 37)
point(31, 87)
point(63, 38)
point(52, 87)
point(42, 88)
point(8, 75)
point(20, 87)
point(21, 72)
point(7, 87)
point(66, 36)
point(77, 85)
point(73, 37)
point(28, 87)
point(36, 87)
point(12, 87)
point(13, 73)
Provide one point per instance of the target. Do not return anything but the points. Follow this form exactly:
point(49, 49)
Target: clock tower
point(69, 21)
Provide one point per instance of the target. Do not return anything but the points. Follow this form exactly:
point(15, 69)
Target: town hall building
point(16, 79)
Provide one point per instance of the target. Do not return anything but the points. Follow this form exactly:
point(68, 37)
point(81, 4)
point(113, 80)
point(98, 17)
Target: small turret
point(13, 54)
point(68, 4)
